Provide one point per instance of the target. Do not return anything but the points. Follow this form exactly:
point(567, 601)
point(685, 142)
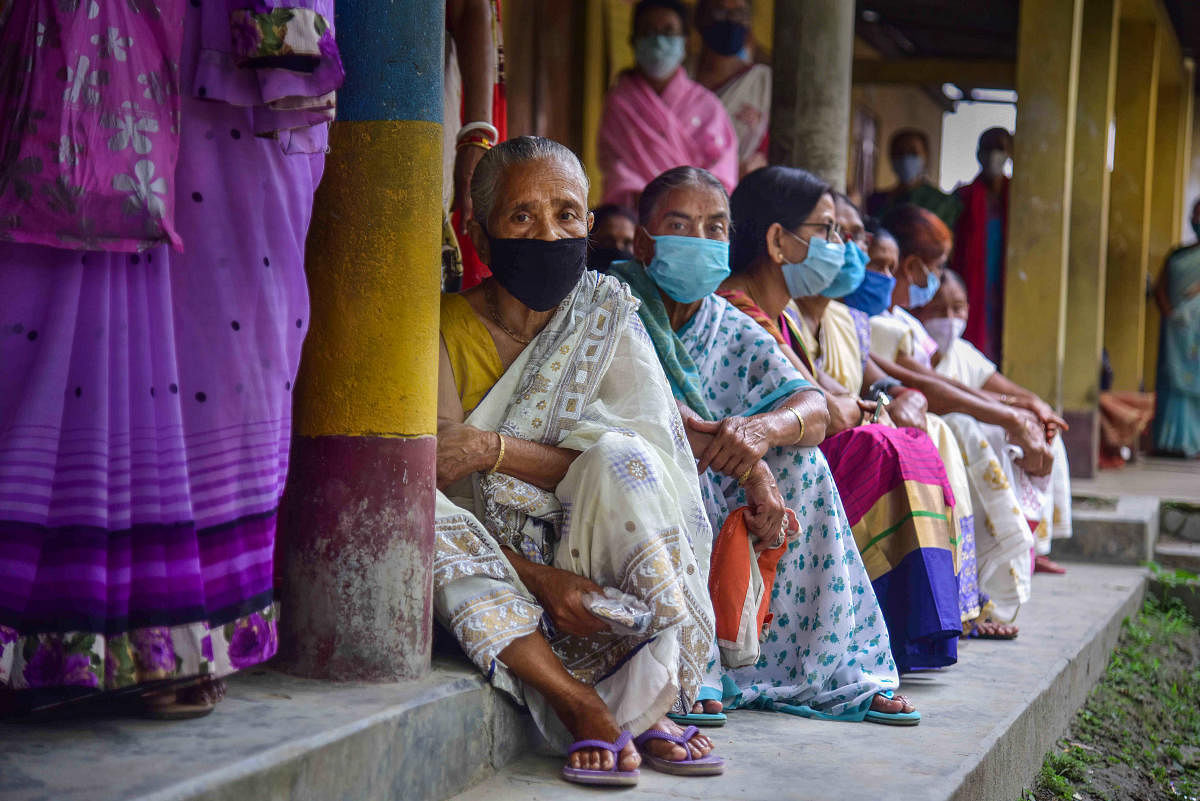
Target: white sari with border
point(627, 514)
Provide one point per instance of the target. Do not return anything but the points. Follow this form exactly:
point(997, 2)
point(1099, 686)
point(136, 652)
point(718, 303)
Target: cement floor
point(1167, 479)
point(987, 721)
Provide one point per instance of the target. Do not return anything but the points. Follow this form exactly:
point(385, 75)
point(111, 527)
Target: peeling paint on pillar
point(357, 580)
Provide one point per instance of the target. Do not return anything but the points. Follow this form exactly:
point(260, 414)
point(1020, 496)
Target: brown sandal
point(184, 703)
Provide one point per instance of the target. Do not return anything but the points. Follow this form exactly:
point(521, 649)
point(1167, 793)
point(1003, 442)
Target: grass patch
point(1138, 735)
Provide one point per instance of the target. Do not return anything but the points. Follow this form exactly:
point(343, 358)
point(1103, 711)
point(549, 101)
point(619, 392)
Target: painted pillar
point(1129, 213)
point(813, 57)
point(1035, 305)
point(1088, 256)
point(1164, 215)
point(1187, 120)
point(358, 556)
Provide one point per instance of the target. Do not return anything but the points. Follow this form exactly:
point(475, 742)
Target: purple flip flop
point(612, 777)
point(704, 766)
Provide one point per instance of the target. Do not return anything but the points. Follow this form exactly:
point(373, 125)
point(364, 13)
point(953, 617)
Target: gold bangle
point(745, 476)
point(792, 409)
point(500, 456)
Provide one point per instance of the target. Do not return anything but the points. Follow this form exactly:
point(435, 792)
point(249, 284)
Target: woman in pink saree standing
point(656, 117)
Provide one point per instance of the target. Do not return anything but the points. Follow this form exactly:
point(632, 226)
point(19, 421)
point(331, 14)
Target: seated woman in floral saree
point(892, 481)
point(754, 421)
point(563, 470)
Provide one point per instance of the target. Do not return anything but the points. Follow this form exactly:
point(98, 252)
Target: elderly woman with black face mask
point(572, 545)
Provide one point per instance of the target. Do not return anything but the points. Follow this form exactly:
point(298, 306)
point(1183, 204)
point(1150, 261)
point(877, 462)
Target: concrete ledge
point(278, 738)
point(1173, 553)
point(988, 721)
point(1111, 530)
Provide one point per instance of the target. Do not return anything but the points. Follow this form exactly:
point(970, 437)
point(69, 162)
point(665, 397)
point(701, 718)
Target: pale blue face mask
point(908, 168)
point(818, 270)
point(918, 296)
point(854, 270)
point(688, 268)
point(658, 56)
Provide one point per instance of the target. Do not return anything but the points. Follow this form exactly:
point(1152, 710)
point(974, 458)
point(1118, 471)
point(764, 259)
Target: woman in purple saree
point(145, 394)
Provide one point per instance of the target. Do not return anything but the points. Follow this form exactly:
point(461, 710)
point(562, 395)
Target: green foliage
point(1141, 725)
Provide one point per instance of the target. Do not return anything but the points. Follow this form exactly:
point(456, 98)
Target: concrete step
point(988, 721)
point(278, 738)
point(1113, 530)
point(1175, 553)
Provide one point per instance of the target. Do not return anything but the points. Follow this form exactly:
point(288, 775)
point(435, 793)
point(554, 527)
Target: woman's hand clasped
point(765, 516)
point(738, 443)
point(462, 450)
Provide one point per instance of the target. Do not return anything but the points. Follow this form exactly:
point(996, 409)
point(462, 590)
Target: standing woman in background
point(1177, 416)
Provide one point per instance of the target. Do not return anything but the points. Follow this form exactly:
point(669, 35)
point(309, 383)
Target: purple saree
point(145, 399)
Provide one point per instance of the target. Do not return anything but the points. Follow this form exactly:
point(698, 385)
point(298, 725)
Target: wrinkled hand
point(908, 410)
point(765, 516)
point(465, 162)
point(1028, 433)
point(1050, 421)
point(560, 592)
point(738, 443)
point(846, 411)
point(462, 450)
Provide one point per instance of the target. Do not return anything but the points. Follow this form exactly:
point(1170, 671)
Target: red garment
point(970, 257)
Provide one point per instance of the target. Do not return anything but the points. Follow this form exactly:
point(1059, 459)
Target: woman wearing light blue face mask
point(753, 420)
point(656, 117)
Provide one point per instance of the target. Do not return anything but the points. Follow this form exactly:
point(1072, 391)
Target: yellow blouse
point(473, 357)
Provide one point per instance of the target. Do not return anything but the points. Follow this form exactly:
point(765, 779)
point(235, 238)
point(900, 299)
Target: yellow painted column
point(1129, 213)
point(358, 558)
point(1048, 45)
point(1164, 213)
point(1088, 238)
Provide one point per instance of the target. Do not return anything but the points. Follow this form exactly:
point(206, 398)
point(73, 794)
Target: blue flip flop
point(611, 777)
point(702, 719)
point(709, 765)
point(893, 718)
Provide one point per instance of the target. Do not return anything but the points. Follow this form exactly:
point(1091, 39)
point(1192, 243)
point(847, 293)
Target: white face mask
point(945, 331)
point(994, 162)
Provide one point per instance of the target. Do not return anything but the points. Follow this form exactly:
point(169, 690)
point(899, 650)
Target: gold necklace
point(494, 313)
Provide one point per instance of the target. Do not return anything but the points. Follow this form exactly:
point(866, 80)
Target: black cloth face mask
point(538, 272)
point(725, 37)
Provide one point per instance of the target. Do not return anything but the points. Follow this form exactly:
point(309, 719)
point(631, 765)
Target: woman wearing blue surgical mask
point(887, 475)
point(754, 420)
point(656, 117)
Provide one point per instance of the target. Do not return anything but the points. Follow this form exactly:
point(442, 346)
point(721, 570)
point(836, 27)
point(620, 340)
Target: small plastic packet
point(624, 613)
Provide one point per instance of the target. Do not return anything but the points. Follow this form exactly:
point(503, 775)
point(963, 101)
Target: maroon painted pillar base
point(356, 566)
point(1082, 441)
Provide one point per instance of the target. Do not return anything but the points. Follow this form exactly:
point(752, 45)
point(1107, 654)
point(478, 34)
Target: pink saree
point(643, 134)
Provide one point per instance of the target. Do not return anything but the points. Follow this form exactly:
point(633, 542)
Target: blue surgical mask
point(659, 56)
point(818, 270)
point(688, 268)
point(918, 296)
point(908, 168)
point(853, 270)
point(874, 294)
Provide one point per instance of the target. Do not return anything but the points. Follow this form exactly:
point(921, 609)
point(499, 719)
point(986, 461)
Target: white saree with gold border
point(627, 514)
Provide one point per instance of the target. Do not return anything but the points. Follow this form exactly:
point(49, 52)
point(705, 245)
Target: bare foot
point(890, 706)
point(990, 628)
point(587, 718)
point(699, 745)
point(707, 708)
